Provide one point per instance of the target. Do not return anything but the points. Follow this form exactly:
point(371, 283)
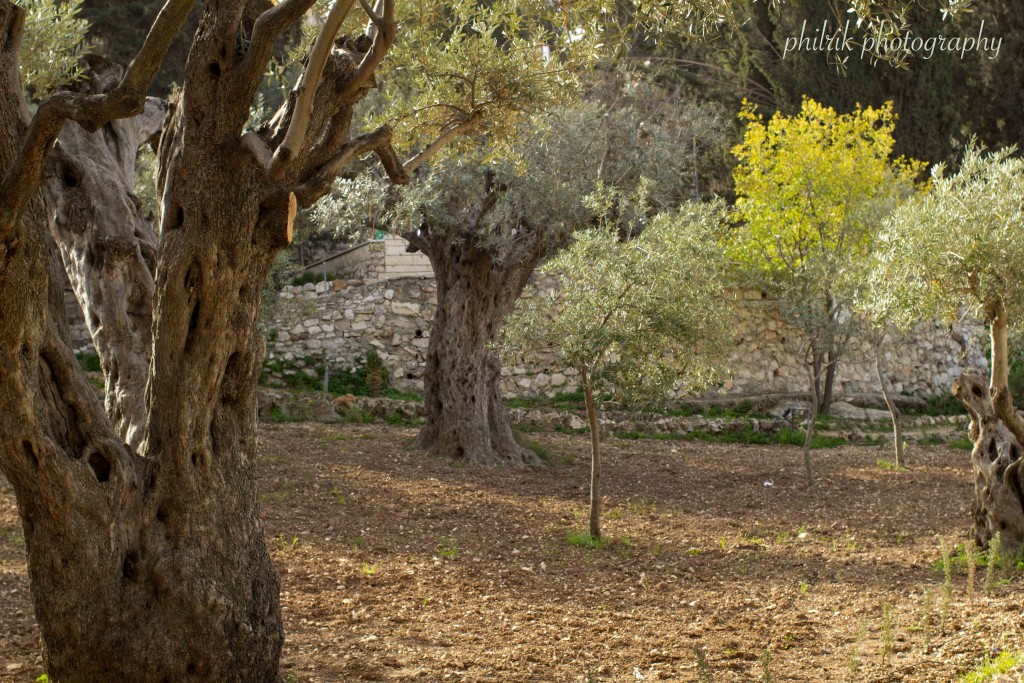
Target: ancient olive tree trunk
point(996, 461)
point(998, 432)
point(109, 248)
point(466, 417)
point(147, 556)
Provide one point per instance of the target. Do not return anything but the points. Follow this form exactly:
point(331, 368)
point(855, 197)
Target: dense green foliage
point(811, 191)
point(973, 260)
point(54, 41)
point(641, 316)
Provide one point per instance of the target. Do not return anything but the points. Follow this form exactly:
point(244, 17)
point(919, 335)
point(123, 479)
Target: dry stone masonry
point(341, 320)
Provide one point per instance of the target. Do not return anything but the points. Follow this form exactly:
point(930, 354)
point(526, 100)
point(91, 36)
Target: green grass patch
point(962, 443)
point(309, 376)
point(90, 362)
point(1004, 663)
point(889, 466)
point(573, 400)
point(786, 437)
point(278, 415)
point(587, 541)
point(938, 406)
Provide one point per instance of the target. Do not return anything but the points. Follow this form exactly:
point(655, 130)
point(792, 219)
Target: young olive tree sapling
point(641, 319)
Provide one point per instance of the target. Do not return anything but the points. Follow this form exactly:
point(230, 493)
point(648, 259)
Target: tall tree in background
point(485, 223)
point(811, 190)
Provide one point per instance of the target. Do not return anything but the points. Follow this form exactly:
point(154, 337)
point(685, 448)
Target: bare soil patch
point(399, 567)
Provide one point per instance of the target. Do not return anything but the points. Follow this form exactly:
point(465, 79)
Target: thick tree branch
point(267, 29)
point(91, 111)
point(9, 49)
point(305, 89)
point(254, 144)
point(374, 17)
point(378, 141)
point(384, 30)
point(446, 137)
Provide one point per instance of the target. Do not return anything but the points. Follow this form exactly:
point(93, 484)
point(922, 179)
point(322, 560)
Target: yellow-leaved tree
point(812, 189)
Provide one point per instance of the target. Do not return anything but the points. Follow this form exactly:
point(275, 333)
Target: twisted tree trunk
point(145, 546)
point(996, 462)
point(466, 417)
point(109, 249)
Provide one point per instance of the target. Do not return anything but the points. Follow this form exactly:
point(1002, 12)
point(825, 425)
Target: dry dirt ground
point(399, 567)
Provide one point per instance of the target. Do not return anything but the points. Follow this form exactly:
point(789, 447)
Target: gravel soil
point(721, 562)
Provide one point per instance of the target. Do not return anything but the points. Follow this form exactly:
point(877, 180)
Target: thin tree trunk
point(831, 366)
point(816, 371)
point(811, 422)
point(894, 411)
point(595, 457)
point(466, 416)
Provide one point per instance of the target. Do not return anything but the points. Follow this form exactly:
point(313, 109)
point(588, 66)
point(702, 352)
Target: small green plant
point(376, 373)
point(284, 544)
point(889, 465)
point(947, 583)
point(766, 666)
point(369, 569)
point(339, 497)
point(854, 660)
point(615, 513)
point(804, 588)
point(538, 448)
point(887, 635)
point(585, 540)
point(994, 557)
point(278, 415)
point(1004, 663)
point(43, 679)
point(448, 549)
point(357, 544)
point(704, 674)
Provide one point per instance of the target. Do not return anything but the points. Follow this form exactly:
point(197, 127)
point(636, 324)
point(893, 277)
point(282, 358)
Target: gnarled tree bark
point(145, 546)
point(109, 248)
point(476, 291)
point(996, 462)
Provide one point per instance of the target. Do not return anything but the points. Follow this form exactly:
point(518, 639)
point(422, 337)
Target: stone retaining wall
point(340, 321)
